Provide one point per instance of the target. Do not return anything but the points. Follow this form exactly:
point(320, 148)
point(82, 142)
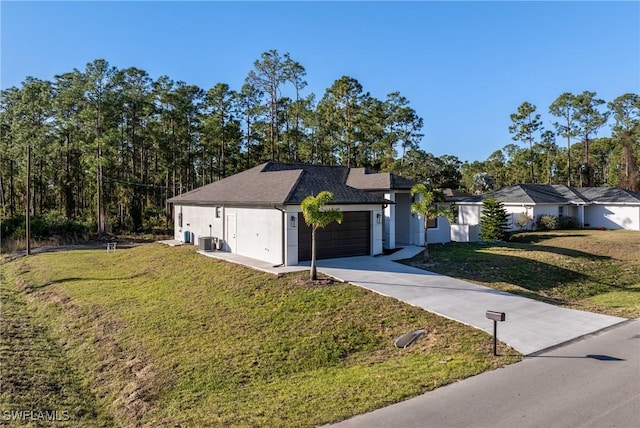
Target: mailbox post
point(495, 316)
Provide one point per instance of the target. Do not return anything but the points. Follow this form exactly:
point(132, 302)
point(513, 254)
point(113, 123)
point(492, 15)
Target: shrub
point(9, 226)
point(568, 222)
point(50, 224)
point(522, 220)
point(493, 221)
point(547, 222)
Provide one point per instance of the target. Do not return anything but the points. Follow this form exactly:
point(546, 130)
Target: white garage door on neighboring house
point(350, 238)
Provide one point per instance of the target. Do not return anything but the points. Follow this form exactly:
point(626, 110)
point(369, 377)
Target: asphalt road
point(592, 382)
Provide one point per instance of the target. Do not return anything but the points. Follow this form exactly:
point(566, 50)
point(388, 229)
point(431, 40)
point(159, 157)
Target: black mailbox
point(496, 316)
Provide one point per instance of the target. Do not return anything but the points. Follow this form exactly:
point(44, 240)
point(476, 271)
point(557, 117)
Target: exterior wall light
point(379, 218)
point(293, 221)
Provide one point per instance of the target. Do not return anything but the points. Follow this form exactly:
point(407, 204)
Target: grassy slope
point(593, 270)
point(163, 336)
point(35, 373)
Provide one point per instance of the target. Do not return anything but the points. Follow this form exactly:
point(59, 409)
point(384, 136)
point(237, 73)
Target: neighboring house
point(608, 207)
point(256, 213)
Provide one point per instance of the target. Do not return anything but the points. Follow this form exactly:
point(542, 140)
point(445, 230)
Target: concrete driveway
point(531, 326)
point(593, 382)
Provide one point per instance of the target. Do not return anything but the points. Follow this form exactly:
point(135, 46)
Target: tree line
point(110, 146)
point(583, 160)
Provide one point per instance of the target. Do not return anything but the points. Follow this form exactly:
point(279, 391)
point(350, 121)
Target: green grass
point(592, 270)
point(36, 375)
point(164, 337)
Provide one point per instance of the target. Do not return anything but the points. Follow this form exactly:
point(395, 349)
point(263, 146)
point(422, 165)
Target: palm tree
point(317, 217)
point(427, 206)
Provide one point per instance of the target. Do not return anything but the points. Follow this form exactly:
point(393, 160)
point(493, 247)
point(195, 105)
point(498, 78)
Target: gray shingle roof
point(275, 183)
point(558, 194)
point(365, 179)
point(608, 195)
point(251, 187)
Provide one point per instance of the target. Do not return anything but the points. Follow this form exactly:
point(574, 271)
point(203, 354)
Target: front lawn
point(592, 270)
point(162, 336)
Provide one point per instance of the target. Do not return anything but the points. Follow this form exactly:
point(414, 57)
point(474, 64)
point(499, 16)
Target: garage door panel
point(351, 238)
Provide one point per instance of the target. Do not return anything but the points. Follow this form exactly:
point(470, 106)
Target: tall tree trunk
point(568, 161)
point(2, 196)
point(68, 191)
point(425, 254)
point(40, 185)
point(12, 190)
point(314, 272)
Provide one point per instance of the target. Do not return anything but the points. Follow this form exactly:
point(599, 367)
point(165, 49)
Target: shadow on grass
point(73, 279)
point(530, 277)
point(554, 250)
point(469, 262)
point(533, 238)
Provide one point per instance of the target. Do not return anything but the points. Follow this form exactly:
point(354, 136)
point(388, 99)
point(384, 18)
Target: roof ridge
point(524, 187)
point(301, 172)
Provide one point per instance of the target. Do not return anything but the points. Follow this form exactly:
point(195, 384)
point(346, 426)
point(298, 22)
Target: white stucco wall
point(389, 239)
point(404, 221)
point(595, 215)
point(613, 216)
point(258, 233)
point(376, 231)
point(465, 233)
point(550, 209)
point(440, 234)
point(469, 214)
point(291, 255)
point(196, 220)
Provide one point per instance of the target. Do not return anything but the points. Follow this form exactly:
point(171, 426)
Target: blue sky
point(464, 66)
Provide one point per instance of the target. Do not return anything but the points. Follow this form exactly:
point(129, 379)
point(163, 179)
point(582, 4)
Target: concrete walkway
point(531, 326)
point(260, 265)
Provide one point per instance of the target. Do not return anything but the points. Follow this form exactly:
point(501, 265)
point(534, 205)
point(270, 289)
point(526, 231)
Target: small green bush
point(547, 222)
point(568, 222)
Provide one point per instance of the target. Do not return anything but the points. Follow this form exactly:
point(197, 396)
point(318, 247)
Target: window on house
point(560, 211)
point(432, 223)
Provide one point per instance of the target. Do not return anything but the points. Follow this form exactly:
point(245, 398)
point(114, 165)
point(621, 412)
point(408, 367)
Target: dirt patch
point(305, 281)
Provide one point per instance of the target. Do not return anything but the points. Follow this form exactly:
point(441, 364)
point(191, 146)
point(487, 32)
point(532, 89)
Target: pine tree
point(493, 221)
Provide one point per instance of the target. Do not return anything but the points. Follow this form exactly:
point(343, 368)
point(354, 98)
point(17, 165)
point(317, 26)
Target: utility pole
point(99, 207)
point(28, 219)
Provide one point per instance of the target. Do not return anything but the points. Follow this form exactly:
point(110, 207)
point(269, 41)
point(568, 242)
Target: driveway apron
point(531, 326)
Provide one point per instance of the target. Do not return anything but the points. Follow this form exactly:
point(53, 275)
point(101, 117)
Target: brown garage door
point(351, 238)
